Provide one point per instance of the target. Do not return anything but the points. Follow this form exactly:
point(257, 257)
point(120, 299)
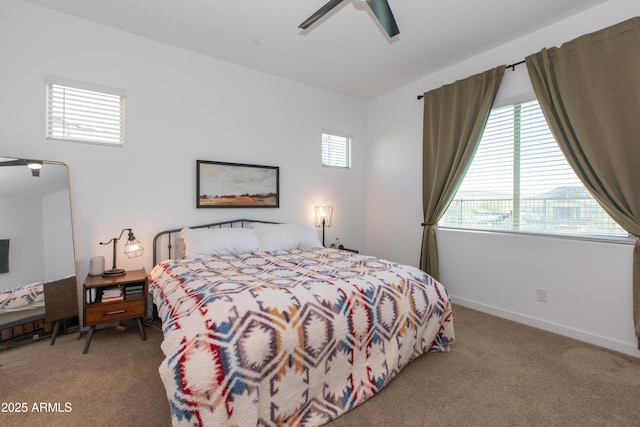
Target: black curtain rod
point(512, 66)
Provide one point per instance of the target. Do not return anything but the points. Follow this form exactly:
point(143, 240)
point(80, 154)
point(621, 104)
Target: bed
point(26, 308)
point(22, 304)
point(264, 326)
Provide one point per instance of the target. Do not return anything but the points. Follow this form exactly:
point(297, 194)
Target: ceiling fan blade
point(383, 12)
point(17, 162)
point(319, 14)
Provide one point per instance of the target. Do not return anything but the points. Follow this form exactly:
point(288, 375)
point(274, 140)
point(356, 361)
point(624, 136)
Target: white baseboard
point(600, 341)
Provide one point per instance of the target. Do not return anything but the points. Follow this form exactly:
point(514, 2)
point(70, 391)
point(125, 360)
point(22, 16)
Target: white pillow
point(180, 248)
point(307, 237)
point(286, 237)
point(205, 242)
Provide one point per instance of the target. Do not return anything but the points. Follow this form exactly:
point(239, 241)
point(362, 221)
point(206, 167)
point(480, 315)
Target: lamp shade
point(133, 248)
point(323, 216)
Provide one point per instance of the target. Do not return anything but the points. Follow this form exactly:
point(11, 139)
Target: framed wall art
point(236, 185)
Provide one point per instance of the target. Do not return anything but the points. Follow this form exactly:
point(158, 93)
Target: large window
point(85, 113)
point(336, 150)
point(520, 181)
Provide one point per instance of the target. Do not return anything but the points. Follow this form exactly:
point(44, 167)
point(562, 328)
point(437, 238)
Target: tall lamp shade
point(323, 218)
point(132, 248)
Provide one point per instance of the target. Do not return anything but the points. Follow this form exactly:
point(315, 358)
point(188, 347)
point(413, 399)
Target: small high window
point(84, 113)
point(336, 150)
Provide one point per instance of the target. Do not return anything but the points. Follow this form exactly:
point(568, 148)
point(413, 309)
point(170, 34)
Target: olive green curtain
point(454, 118)
point(589, 91)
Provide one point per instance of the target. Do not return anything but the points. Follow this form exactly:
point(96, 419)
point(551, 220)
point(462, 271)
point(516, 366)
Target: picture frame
point(236, 185)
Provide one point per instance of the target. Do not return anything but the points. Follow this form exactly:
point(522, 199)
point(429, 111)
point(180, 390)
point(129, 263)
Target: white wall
point(179, 107)
point(21, 223)
point(57, 236)
point(39, 230)
point(588, 284)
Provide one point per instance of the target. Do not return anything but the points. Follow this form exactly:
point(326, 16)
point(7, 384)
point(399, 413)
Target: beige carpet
point(498, 373)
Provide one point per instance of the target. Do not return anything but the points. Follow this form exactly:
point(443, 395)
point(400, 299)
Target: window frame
point(515, 228)
point(348, 149)
point(57, 132)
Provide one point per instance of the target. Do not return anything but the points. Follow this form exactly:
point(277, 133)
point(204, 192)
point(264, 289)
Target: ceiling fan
point(380, 8)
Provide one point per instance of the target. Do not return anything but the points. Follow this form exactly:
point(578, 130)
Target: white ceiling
point(347, 51)
point(18, 180)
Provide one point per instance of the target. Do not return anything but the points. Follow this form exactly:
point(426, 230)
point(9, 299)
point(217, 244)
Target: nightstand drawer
point(102, 313)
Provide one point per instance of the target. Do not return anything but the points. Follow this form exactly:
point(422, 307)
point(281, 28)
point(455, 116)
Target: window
point(519, 180)
point(86, 113)
point(336, 150)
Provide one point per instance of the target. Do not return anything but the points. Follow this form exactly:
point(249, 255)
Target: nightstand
point(110, 299)
point(355, 251)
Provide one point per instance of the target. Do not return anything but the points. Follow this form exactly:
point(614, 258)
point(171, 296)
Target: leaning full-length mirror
point(36, 247)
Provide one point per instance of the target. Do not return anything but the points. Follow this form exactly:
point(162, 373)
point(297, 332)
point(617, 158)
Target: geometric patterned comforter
point(22, 298)
point(290, 337)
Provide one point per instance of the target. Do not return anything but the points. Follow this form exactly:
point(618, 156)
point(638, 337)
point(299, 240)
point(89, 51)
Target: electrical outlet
point(541, 295)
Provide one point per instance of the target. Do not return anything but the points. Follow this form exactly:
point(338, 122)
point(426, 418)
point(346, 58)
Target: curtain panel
point(454, 118)
point(589, 92)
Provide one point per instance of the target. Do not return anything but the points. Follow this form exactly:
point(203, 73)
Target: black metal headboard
point(164, 243)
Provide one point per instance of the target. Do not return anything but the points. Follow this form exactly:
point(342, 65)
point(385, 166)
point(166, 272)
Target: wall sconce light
point(323, 218)
point(132, 249)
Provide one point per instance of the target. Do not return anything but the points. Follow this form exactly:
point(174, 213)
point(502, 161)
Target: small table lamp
point(132, 249)
point(323, 218)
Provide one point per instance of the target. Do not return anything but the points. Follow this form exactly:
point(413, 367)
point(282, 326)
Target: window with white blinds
point(519, 180)
point(84, 113)
point(336, 150)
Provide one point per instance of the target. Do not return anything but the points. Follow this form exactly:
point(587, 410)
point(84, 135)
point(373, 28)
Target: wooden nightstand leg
point(141, 327)
point(56, 331)
point(88, 340)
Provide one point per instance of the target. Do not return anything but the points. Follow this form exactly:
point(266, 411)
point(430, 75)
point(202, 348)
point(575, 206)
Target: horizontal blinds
point(79, 114)
point(336, 150)
point(520, 180)
point(491, 173)
point(543, 167)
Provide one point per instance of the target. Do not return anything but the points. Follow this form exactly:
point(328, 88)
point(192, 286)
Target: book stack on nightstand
point(112, 294)
point(134, 291)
